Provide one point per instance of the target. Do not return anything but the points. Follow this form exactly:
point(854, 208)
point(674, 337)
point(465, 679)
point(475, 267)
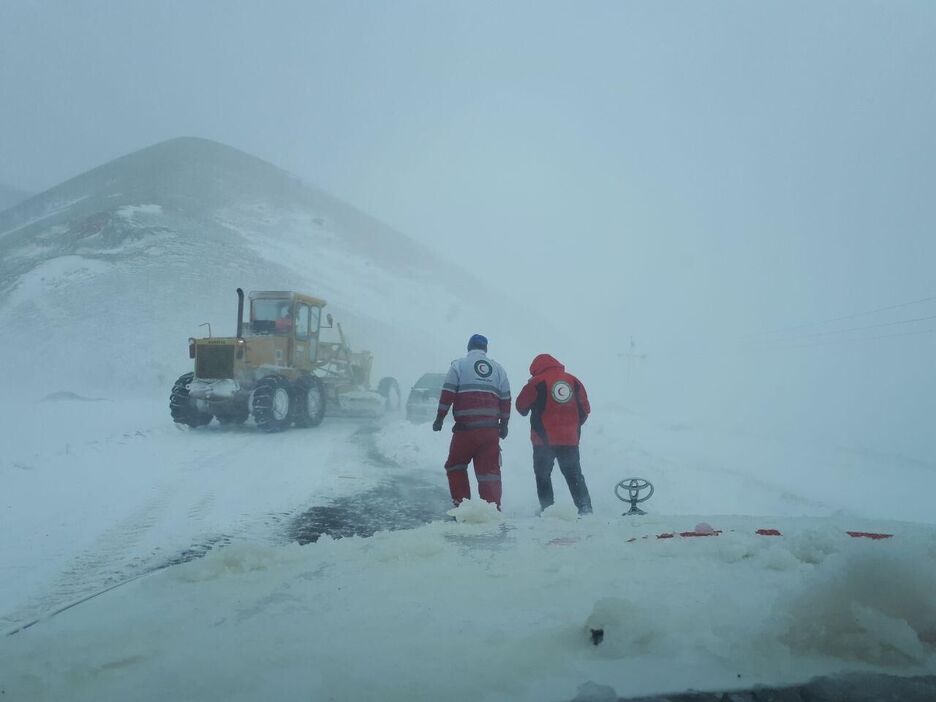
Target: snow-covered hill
point(10, 196)
point(103, 277)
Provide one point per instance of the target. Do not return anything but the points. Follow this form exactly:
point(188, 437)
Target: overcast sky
point(693, 171)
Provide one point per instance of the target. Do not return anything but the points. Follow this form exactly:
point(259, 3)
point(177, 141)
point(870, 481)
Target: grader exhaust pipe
point(240, 313)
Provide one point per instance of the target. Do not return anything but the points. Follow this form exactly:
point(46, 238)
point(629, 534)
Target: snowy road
point(98, 492)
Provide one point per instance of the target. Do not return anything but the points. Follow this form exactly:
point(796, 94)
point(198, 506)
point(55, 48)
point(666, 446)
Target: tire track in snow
point(121, 554)
point(112, 559)
point(118, 554)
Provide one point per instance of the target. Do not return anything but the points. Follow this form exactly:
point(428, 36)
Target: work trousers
point(482, 446)
point(571, 467)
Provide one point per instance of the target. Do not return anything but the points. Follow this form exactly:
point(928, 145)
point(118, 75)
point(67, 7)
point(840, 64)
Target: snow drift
point(494, 609)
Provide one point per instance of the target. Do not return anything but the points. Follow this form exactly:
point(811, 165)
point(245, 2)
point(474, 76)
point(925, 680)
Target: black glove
point(437, 424)
point(503, 430)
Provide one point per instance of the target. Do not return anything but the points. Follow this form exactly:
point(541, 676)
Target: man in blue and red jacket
point(558, 407)
point(477, 390)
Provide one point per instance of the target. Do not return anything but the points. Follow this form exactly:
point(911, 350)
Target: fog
point(742, 189)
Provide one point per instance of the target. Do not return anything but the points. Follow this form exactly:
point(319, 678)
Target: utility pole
point(631, 358)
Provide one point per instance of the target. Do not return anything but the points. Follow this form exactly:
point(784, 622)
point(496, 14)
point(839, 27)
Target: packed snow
point(55, 276)
point(131, 212)
point(507, 600)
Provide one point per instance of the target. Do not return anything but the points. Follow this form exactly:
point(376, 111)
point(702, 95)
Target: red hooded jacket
point(556, 401)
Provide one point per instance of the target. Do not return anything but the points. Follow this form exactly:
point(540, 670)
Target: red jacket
point(557, 403)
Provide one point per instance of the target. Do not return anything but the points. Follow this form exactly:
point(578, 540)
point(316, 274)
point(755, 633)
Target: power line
point(851, 341)
point(864, 328)
point(844, 317)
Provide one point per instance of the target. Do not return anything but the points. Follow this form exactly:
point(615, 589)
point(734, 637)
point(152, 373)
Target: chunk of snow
point(871, 607)
point(563, 513)
point(626, 627)
point(476, 512)
point(130, 212)
point(593, 692)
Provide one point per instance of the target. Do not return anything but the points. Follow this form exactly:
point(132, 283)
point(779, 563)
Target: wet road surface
point(404, 501)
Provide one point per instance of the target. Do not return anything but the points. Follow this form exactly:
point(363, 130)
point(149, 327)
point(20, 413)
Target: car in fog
point(423, 402)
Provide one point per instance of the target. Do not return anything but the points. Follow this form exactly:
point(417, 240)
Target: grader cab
point(285, 365)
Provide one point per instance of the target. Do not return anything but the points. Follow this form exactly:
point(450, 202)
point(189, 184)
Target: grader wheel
point(181, 407)
point(272, 404)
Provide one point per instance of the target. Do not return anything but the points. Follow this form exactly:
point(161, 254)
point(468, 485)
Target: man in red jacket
point(558, 407)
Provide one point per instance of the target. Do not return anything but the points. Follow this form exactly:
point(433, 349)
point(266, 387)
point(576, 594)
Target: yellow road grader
point(279, 369)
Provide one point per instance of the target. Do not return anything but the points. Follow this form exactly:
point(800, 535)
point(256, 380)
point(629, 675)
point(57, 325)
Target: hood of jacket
point(543, 363)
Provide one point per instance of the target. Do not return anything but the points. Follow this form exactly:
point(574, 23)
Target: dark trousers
point(571, 467)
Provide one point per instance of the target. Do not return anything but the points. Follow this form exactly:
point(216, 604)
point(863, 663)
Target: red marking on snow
point(867, 535)
point(563, 541)
point(760, 532)
point(700, 533)
point(673, 535)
